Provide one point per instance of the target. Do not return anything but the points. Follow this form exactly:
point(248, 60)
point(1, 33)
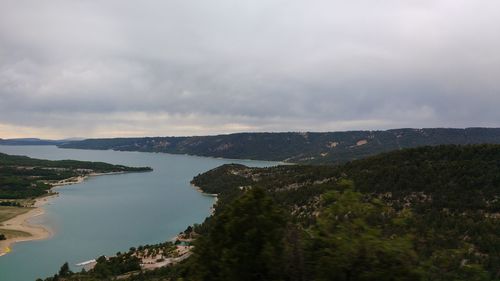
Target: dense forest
point(429, 213)
point(22, 177)
point(306, 148)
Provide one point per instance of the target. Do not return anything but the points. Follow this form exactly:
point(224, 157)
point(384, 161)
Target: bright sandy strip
point(20, 223)
point(37, 232)
point(80, 179)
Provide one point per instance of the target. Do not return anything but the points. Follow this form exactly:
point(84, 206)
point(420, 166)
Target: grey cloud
point(183, 67)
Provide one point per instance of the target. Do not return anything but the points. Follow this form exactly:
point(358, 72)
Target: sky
point(115, 68)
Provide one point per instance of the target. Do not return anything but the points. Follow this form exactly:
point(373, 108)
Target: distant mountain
point(308, 147)
point(31, 141)
point(72, 139)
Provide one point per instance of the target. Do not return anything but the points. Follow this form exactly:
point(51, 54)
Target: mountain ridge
point(296, 147)
point(32, 141)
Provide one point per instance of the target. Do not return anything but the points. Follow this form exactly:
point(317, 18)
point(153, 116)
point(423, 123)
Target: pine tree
point(244, 243)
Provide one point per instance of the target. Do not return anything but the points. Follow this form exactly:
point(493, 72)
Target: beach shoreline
point(37, 231)
point(22, 223)
point(80, 179)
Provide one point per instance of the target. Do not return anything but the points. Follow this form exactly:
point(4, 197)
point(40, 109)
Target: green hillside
point(429, 213)
point(312, 148)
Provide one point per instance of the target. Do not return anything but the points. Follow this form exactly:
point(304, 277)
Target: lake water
point(112, 213)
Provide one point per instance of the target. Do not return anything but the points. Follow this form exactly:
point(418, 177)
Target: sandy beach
point(80, 179)
point(35, 231)
point(20, 223)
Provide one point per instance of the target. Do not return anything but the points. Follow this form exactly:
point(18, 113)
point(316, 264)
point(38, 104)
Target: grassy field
point(6, 213)
point(13, 233)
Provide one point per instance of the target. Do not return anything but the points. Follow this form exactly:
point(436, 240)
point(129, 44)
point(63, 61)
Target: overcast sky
point(160, 68)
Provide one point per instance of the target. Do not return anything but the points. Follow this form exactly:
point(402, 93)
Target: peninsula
point(26, 184)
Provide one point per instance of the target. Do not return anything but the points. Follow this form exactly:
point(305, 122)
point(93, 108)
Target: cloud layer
point(123, 68)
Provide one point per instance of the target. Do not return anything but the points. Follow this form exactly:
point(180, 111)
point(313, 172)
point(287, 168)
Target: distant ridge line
point(296, 147)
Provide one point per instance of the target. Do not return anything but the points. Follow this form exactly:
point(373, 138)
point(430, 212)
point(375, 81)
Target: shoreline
point(21, 223)
point(80, 179)
point(214, 195)
point(281, 162)
point(37, 231)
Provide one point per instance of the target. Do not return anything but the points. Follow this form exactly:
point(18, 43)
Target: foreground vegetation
point(430, 213)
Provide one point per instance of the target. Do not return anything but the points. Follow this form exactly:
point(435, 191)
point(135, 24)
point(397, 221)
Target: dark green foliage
point(245, 242)
point(452, 191)
point(458, 177)
point(122, 264)
point(356, 240)
point(105, 269)
point(213, 181)
point(452, 265)
point(316, 148)
point(97, 167)
point(2, 237)
point(115, 265)
point(23, 177)
point(64, 271)
point(428, 213)
point(10, 203)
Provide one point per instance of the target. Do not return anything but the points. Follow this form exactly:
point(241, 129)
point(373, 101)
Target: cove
point(111, 213)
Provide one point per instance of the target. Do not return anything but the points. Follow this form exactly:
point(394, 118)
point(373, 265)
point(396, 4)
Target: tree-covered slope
point(315, 148)
point(428, 213)
point(450, 196)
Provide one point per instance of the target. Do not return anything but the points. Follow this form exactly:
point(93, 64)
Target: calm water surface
point(112, 213)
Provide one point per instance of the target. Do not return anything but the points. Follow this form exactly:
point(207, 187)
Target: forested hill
point(428, 213)
point(313, 148)
point(445, 201)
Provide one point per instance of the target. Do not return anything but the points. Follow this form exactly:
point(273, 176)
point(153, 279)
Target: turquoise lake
point(111, 213)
